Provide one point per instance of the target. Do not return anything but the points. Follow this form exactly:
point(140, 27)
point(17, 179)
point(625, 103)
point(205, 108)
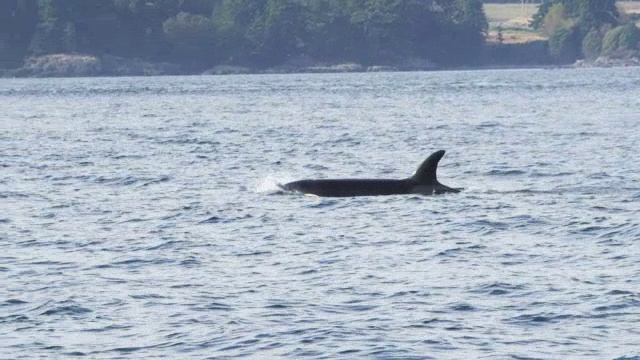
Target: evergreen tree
point(568, 29)
point(254, 32)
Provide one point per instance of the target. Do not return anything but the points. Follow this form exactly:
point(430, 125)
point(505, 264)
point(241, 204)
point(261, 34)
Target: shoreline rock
point(337, 68)
point(227, 70)
point(82, 65)
point(59, 65)
point(381, 68)
point(607, 62)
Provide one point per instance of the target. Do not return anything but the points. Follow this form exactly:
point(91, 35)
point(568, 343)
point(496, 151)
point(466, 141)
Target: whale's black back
point(424, 181)
point(350, 187)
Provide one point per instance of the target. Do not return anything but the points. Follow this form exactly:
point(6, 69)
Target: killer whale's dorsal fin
point(426, 173)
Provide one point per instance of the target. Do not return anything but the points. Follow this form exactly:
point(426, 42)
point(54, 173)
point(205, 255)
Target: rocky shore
point(82, 65)
point(607, 62)
point(79, 65)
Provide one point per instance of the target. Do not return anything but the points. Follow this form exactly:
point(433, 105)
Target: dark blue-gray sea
point(141, 217)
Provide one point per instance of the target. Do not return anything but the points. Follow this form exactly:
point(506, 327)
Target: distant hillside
point(199, 34)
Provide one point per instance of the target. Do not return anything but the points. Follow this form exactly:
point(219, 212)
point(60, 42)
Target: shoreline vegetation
point(66, 38)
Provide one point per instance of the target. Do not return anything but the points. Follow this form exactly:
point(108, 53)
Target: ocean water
point(140, 217)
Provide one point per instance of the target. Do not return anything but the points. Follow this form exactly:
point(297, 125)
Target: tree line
point(587, 29)
point(258, 33)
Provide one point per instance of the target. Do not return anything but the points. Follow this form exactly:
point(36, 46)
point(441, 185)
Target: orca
point(423, 182)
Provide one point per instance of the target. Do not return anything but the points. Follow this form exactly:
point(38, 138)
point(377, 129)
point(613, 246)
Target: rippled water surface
point(141, 217)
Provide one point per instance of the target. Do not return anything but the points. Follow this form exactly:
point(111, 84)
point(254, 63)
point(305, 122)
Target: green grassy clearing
point(514, 20)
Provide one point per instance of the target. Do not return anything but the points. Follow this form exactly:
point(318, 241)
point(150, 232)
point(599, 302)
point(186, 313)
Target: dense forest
point(190, 36)
point(198, 34)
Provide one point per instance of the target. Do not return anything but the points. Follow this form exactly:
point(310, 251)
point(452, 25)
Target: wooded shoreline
point(62, 38)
